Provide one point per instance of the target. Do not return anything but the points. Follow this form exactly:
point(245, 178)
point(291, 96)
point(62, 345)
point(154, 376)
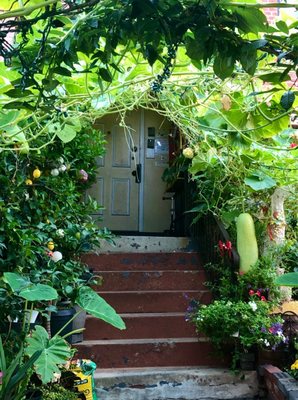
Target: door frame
point(142, 162)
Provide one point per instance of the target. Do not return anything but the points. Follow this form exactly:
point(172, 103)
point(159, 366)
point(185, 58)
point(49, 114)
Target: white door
point(129, 184)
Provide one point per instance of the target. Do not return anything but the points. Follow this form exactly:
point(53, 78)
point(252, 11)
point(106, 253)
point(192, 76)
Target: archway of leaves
point(84, 59)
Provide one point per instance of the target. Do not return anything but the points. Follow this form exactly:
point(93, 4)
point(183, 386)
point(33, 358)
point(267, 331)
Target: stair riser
point(151, 355)
point(139, 302)
point(152, 280)
point(143, 262)
point(141, 328)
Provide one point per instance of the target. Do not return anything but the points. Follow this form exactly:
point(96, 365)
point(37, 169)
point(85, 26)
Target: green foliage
point(57, 392)
point(248, 323)
point(27, 290)
point(228, 284)
point(95, 305)
point(16, 374)
point(288, 279)
point(39, 209)
point(240, 317)
point(53, 352)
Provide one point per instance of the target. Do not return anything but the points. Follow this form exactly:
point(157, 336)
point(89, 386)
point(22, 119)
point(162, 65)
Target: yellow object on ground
point(84, 370)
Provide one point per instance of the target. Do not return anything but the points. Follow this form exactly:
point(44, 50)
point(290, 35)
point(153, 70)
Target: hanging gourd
point(247, 245)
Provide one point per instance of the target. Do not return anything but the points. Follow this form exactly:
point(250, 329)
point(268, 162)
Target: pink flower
point(83, 175)
point(293, 145)
point(263, 298)
point(251, 292)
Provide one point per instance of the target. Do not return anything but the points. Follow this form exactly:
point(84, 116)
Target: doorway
point(129, 180)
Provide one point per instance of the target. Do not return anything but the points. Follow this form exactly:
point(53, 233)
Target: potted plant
point(240, 325)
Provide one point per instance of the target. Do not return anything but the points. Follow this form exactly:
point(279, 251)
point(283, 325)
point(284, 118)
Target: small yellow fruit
point(51, 246)
point(28, 182)
point(36, 173)
point(188, 152)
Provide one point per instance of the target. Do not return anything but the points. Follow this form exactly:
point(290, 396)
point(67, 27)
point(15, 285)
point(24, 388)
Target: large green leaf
point(39, 292)
point(259, 181)
point(10, 117)
point(248, 58)
point(274, 77)
point(16, 281)
point(67, 133)
point(54, 352)
point(95, 305)
point(28, 290)
point(289, 279)
point(287, 100)
point(250, 20)
point(223, 66)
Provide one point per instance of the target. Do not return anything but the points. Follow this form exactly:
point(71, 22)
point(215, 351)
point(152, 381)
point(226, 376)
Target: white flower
point(62, 168)
point(266, 343)
point(56, 256)
point(60, 233)
point(236, 334)
point(188, 152)
point(60, 160)
point(253, 305)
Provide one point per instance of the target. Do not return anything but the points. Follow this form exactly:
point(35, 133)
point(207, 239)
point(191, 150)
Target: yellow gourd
point(247, 245)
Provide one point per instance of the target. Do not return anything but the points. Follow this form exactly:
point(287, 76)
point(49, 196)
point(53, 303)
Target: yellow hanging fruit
point(28, 182)
point(51, 246)
point(36, 173)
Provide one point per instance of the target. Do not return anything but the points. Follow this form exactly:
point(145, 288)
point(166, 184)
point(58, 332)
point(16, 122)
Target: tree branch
point(21, 12)
point(263, 5)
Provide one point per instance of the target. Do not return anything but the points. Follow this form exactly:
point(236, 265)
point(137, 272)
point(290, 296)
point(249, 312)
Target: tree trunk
point(277, 226)
point(277, 230)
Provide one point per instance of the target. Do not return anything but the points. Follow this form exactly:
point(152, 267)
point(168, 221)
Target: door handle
point(137, 173)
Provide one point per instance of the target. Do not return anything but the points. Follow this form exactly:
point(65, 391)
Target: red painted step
point(154, 300)
point(143, 261)
point(152, 280)
point(142, 326)
point(150, 353)
point(151, 291)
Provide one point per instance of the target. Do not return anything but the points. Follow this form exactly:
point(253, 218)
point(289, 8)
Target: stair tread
point(148, 315)
point(141, 341)
point(138, 371)
point(145, 291)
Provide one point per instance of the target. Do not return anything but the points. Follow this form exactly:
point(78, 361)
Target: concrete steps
point(176, 383)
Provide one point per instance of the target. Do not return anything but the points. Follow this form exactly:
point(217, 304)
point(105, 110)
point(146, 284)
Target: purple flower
point(276, 328)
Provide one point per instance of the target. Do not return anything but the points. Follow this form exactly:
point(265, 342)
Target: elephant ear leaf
point(54, 352)
point(289, 279)
point(95, 305)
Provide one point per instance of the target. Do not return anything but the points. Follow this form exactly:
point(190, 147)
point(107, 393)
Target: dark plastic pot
point(78, 323)
point(59, 319)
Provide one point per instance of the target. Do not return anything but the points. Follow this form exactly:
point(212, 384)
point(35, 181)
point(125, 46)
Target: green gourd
point(247, 246)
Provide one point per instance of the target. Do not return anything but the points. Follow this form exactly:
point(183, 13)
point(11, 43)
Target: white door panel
point(116, 187)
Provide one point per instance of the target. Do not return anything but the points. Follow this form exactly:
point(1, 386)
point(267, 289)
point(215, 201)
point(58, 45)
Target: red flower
point(258, 293)
point(251, 292)
point(263, 298)
point(293, 145)
point(229, 248)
